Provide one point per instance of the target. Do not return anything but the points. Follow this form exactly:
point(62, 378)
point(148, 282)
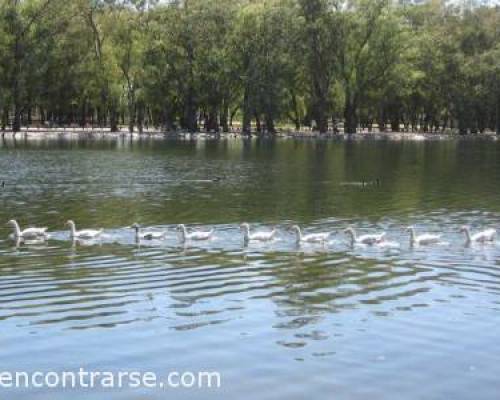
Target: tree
point(321, 47)
point(197, 64)
point(23, 36)
point(368, 46)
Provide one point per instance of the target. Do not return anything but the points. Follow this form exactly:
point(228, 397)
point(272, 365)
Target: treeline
point(212, 64)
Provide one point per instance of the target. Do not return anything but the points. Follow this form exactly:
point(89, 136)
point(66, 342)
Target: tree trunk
point(211, 120)
point(101, 116)
point(320, 81)
point(190, 104)
point(5, 117)
point(224, 117)
point(270, 124)
point(369, 124)
point(319, 69)
point(321, 114)
point(16, 124)
point(113, 118)
point(83, 114)
point(414, 122)
point(498, 113)
point(350, 117)
point(296, 113)
point(395, 123)
point(190, 122)
point(140, 118)
point(167, 118)
point(462, 126)
point(131, 116)
point(42, 116)
point(463, 120)
point(232, 114)
point(258, 125)
point(381, 122)
point(247, 113)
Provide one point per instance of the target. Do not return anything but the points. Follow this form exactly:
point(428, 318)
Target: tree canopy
point(251, 64)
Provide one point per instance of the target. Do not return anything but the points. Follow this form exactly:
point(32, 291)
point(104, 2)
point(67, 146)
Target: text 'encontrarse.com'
point(83, 379)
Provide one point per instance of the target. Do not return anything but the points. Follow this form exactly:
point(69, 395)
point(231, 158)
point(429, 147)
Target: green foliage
point(197, 64)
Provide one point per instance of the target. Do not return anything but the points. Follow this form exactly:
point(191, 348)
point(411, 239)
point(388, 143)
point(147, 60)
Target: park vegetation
point(215, 65)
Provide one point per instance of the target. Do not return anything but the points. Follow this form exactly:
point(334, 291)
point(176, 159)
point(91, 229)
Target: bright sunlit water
point(276, 320)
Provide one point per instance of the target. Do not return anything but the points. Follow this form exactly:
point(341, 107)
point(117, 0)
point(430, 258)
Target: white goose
point(184, 235)
point(257, 236)
point(147, 235)
point(424, 239)
point(83, 234)
point(365, 239)
point(487, 235)
point(310, 238)
point(29, 233)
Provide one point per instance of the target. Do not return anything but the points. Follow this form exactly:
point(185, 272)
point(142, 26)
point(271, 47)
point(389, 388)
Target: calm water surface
point(276, 320)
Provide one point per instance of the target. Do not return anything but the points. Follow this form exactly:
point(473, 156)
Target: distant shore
point(280, 134)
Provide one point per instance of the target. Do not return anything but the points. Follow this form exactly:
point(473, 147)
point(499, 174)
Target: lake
point(276, 320)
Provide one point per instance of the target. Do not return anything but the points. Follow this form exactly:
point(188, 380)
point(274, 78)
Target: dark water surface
point(276, 320)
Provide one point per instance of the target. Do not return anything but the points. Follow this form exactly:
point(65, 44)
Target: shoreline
point(37, 133)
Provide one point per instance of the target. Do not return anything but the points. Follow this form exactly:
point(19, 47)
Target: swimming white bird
point(83, 234)
point(310, 238)
point(487, 235)
point(184, 235)
point(257, 236)
point(365, 239)
point(29, 233)
point(424, 239)
point(147, 235)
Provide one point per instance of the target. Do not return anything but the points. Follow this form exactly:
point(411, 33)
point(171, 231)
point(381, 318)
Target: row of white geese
point(184, 235)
